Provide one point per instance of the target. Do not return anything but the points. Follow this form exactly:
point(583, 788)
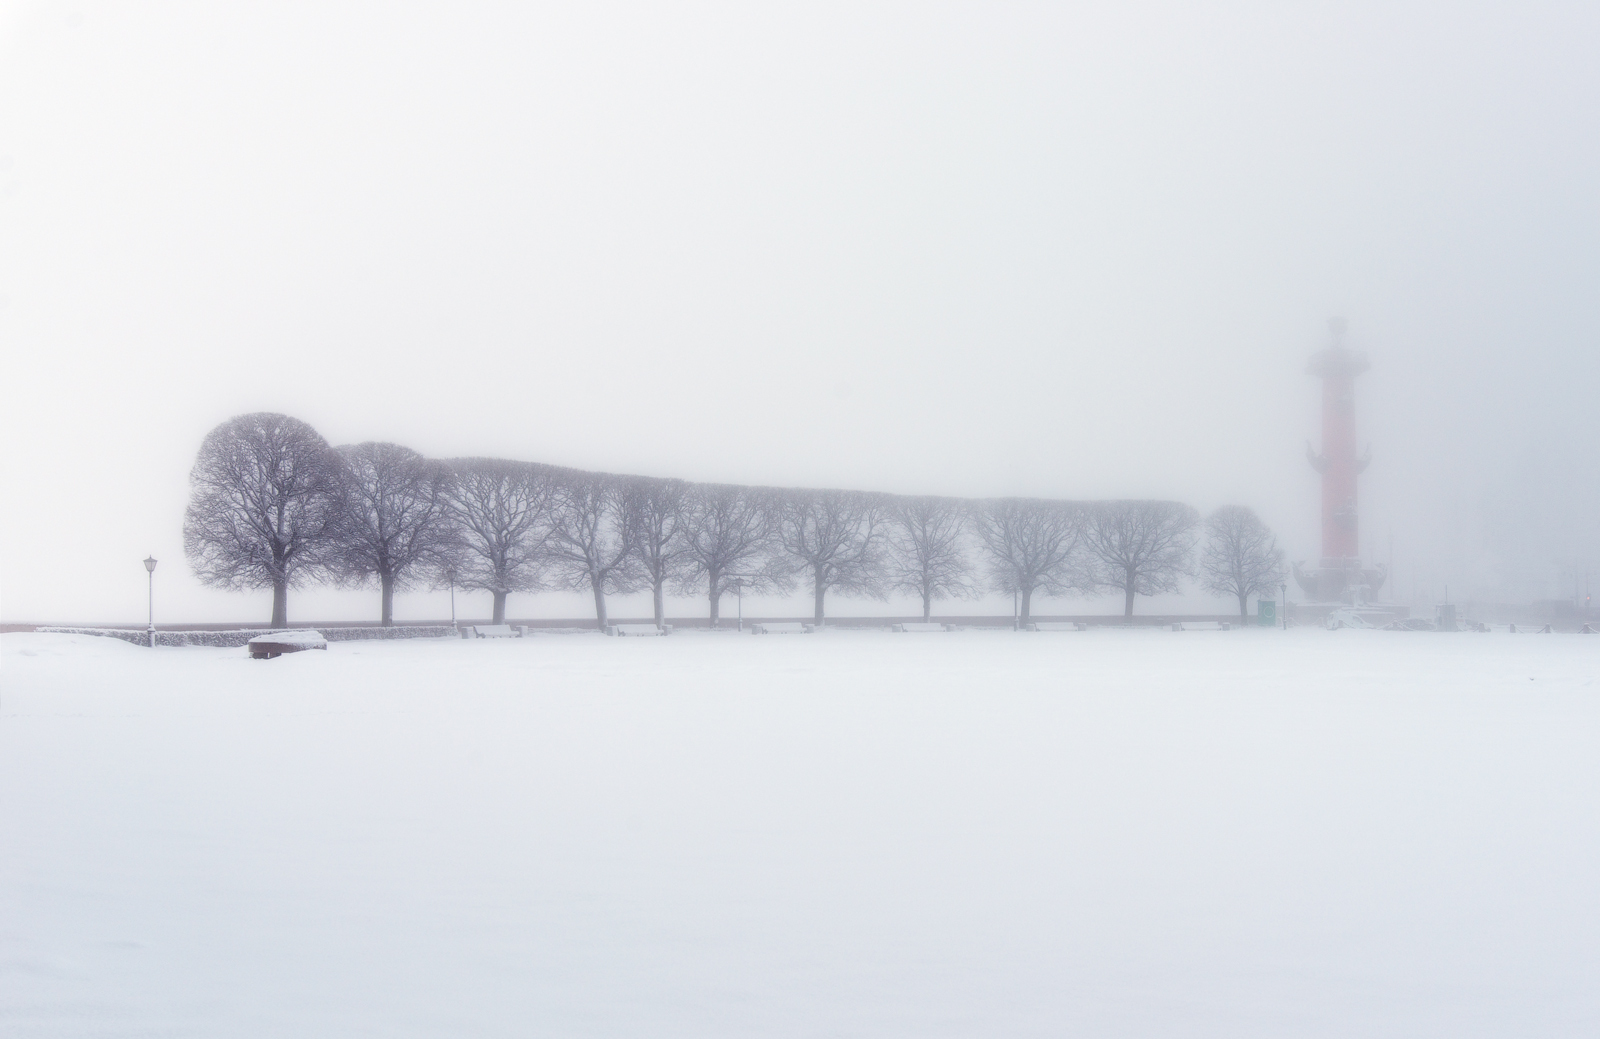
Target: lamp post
point(1283, 601)
point(150, 568)
point(738, 588)
point(738, 582)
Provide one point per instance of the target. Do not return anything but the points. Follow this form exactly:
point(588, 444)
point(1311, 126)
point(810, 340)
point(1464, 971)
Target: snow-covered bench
point(782, 628)
point(638, 629)
point(498, 631)
point(912, 626)
point(1202, 626)
point(265, 647)
point(1058, 626)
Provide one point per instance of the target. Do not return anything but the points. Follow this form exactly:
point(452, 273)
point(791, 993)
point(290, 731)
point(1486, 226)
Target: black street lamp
point(738, 582)
point(150, 568)
point(1284, 603)
point(738, 587)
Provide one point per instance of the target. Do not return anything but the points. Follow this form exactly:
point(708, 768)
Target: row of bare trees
point(272, 505)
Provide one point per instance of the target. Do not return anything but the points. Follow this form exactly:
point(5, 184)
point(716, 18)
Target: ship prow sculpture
point(1339, 576)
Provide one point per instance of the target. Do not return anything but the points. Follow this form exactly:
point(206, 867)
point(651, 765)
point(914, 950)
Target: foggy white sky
point(1076, 251)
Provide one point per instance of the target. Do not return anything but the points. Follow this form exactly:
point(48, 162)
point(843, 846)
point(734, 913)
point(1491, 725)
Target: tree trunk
point(1244, 608)
point(661, 604)
point(1127, 598)
point(819, 590)
point(1027, 605)
point(927, 605)
point(599, 602)
point(716, 596)
point(499, 608)
point(280, 603)
point(386, 582)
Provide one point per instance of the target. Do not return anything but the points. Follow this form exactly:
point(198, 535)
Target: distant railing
point(230, 638)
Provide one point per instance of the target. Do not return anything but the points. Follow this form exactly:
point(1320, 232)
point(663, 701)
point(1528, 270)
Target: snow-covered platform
point(1307, 833)
point(265, 647)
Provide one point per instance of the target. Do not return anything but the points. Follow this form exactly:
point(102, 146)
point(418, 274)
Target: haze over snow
point(969, 249)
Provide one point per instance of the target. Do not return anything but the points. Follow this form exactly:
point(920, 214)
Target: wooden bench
point(497, 631)
point(914, 626)
point(1058, 626)
point(265, 647)
point(782, 628)
point(629, 630)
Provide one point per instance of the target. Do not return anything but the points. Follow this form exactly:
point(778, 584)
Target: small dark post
point(150, 568)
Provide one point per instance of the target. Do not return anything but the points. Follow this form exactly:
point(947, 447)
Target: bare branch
point(1241, 556)
point(1141, 547)
point(729, 534)
point(591, 544)
point(1032, 545)
point(500, 515)
point(393, 517)
point(658, 511)
point(927, 550)
point(263, 506)
point(837, 538)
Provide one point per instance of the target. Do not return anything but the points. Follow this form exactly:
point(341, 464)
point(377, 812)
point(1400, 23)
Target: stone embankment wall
point(238, 637)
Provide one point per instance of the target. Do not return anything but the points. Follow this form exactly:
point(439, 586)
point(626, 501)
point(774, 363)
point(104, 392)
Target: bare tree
point(927, 554)
point(1141, 547)
point(1032, 545)
point(728, 536)
point(393, 517)
point(659, 511)
point(500, 516)
point(837, 538)
point(591, 544)
point(1241, 556)
point(263, 506)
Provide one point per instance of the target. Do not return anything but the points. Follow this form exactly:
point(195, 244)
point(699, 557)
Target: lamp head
point(150, 564)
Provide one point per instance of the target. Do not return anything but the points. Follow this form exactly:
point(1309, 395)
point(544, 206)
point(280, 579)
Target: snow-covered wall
point(229, 639)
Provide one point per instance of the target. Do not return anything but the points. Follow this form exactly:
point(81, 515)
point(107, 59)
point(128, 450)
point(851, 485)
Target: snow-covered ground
point(1115, 833)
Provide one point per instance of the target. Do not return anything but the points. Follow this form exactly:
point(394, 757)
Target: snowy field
point(1115, 833)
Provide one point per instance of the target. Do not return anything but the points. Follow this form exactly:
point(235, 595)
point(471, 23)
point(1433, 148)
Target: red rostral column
point(1339, 572)
point(1338, 464)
